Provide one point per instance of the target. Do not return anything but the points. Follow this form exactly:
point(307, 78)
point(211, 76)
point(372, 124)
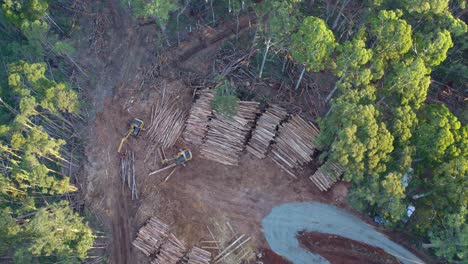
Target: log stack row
point(327, 175)
point(167, 123)
point(197, 122)
point(171, 252)
point(155, 241)
point(294, 145)
point(265, 131)
point(227, 136)
point(151, 236)
point(198, 256)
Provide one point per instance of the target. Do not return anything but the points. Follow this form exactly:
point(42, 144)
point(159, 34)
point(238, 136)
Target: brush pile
point(127, 172)
point(198, 256)
point(294, 146)
point(197, 123)
point(227, 136)
point(265, 131)
point(327, 175)
point(151, 236)
point(167, 123)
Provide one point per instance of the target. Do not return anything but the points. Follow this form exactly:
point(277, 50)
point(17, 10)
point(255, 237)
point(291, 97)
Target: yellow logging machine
point(135, 127)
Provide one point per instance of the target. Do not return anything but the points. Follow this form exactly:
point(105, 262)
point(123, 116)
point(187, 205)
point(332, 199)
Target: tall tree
point(313, 44)
point(56, 233)
point(279, 20)
point(391, 39)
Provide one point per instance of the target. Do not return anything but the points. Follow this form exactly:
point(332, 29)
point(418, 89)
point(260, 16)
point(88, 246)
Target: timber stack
point(294, 146)
point(127, 172)
point(171, 252)
point(167, 123)
point(198, 256)
point(265, 131)
point(197, 122)
point(227, 136)
point(151, 236)
point(327, 175)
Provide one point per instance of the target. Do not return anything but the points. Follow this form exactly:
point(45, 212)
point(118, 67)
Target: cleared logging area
point(289, 143)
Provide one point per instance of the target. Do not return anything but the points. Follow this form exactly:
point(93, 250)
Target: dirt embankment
point(341, 250)
point(267, 256)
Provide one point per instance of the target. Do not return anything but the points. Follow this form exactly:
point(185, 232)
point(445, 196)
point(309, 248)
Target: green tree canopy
point(18, 11)
point(157, 9)
point(56, 233)
point(313, 44)
point(408, 84)
point(440, 135)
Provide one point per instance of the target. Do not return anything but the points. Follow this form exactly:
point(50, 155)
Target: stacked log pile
point(171, 252)
point(197, 123)
point(226, 137)
point(127, 172)
point(151, 236)
point(327, 175)
point(294, 146)
point(265, 131)
point(155, 240)
point(167, 123)
point(198, 256)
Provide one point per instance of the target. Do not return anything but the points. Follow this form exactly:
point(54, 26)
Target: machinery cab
point(137, 125)
point(183, 157)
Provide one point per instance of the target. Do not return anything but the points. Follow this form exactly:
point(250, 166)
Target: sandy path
point(283, 223)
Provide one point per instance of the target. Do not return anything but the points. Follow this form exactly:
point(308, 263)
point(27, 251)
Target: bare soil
point(267, 256)
point(341, 250)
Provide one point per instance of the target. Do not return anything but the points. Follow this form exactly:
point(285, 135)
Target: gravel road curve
point(285, 221)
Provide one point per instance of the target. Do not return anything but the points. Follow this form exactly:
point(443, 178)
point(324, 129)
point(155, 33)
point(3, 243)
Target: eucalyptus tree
point(313, 45)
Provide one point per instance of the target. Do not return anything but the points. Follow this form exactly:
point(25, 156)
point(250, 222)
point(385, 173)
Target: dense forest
point(38, 109)
point(388, 123)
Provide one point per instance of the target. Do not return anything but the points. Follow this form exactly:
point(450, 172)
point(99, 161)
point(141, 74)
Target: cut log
point(197, 122)
point(226, 137)
point(294, 145)
point(265, 131)
point(327, 175)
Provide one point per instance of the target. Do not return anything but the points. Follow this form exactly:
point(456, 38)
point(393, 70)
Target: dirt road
point(285, 221)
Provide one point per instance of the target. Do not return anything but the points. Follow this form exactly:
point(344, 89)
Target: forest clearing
point(160, 131)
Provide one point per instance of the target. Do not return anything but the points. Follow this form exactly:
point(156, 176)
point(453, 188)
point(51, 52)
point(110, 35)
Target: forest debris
point(226, 136)
point(167, 123)
point(198, 256)
point(232, 247)
point(265, 131)
point(294, 146)
point(327, 175)
point(197, 123)
point(127, 172)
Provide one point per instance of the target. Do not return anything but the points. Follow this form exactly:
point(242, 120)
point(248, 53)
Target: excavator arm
point(135, 127)
point(122, 142)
